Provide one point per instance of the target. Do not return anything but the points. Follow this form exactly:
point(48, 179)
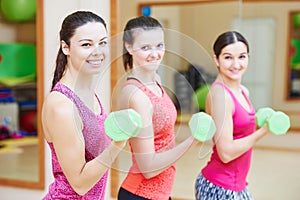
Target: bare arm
point(150, 163)
point(220, 106)
point(63, 128)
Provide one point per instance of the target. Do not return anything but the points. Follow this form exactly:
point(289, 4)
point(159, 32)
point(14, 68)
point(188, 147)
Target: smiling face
point(88, 48)
point(148, 48)
point(233, 61)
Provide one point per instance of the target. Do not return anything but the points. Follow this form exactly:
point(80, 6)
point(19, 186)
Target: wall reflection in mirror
point(294, 55)
point(263, 23)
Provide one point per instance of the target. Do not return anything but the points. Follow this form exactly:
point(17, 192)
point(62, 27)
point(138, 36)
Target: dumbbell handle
point(122, 125)
point(202, 126)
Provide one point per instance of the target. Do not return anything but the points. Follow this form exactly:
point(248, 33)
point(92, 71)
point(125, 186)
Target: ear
point(65, 48)
point(216, 61)
point(128, 48)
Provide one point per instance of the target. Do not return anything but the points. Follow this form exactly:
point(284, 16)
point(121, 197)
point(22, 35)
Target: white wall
point(54, 12)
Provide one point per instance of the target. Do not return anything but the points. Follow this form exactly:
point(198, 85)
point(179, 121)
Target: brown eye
point(145, 48)
point(103, 43)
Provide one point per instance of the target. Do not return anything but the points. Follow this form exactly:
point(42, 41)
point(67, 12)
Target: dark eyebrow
point(104, 38)
point(89, 40)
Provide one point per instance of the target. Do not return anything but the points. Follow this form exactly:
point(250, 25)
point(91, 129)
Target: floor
point(274, 173)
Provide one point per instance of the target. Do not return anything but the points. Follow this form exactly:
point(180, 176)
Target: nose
point(155, 53)
point(97, 51)
point(236, 63)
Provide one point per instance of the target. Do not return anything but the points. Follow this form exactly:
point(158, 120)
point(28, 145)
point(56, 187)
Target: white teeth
point(98, 62)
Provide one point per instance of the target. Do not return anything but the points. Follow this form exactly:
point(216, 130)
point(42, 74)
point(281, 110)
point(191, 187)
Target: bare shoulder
point(57, 103)
point(132, 96)
point(219, 98)
point(57, 111)
point(218, 92)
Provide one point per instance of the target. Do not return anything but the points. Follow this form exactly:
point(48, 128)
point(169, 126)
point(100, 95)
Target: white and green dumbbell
point(202, 126)
point(277, 122)
point(122, 125)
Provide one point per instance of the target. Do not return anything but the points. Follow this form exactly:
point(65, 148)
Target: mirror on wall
point(264, 23)
point(21, 94)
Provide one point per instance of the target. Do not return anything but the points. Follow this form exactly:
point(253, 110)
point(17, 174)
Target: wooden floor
point(274, 173)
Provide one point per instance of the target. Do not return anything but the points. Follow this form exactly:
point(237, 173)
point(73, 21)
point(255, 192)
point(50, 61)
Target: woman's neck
point(143, 76)
point(76, 81)
point(232, 84)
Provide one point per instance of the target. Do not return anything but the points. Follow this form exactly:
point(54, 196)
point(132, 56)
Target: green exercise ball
point(18, 10)
point(296, 20)
point(199, 98)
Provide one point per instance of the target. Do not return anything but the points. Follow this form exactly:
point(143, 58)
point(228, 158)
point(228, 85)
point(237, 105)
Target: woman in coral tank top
point(154, 152)
point(224, 177)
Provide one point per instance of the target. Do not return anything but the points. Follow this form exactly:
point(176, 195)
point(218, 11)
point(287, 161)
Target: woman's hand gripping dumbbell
point(122, 125)
point(277, 122)
point(202, 126)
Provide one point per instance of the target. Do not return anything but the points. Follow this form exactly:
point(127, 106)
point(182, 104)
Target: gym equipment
point(277, 122)
point(122, 125)
point(295, 53)
point(17, 63)
point(202, 126)
point(28, 121)
point(296, 20)
point(146, 11)
point(199, 98)
point(18, 10)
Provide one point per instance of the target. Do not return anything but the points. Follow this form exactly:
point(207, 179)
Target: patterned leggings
point(206, 190)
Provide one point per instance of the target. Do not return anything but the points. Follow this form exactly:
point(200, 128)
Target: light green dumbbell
point(277, 122)
point(202, 126)
point(262, 115)
point(122, 125)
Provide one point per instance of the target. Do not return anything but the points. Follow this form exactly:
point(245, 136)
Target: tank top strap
point(59, 87)
point(133, 81)
point(235, 102)
point(136, 82)
point(225, 87)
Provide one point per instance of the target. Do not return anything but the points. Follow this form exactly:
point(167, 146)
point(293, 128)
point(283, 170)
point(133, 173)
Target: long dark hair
point(227, 38)
point(68, 28)
point(143, 22)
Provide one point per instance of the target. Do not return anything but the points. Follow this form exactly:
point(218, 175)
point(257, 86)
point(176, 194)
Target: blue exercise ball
point(146, 11)
point(18, 10)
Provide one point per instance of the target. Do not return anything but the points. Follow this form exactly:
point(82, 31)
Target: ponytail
point(61, 62)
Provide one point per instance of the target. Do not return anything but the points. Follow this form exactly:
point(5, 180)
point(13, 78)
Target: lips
point(95, 61)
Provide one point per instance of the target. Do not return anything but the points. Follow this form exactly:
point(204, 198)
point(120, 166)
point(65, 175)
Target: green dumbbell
point(202, 126)
point(122, 125)
point(277, 122)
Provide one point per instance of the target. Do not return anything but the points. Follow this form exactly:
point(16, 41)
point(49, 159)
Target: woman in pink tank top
point(72, 115)
point(224, 176)
point(154, 152)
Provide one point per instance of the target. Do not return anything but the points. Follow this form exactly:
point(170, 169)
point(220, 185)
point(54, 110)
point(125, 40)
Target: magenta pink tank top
point(232, 175)
point(164, 117)
point(95, 142)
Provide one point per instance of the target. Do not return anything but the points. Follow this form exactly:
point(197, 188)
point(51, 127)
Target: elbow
point(79, 188)
point(148, 175)
point(225, 157)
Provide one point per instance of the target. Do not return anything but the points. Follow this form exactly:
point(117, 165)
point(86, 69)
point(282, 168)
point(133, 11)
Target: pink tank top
point(164, 117)
point(95, 142)
point(232, 175)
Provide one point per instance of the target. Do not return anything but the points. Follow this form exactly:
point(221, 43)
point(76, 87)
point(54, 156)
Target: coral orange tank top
point(164, 117)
